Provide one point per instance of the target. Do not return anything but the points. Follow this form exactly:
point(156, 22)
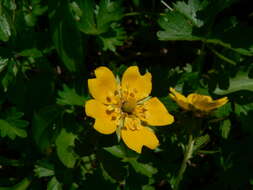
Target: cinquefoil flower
point(200, 104)
point(125, 107)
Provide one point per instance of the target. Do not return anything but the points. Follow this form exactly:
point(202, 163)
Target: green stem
point(222, 57)
point(187, 157)
point(142, 13)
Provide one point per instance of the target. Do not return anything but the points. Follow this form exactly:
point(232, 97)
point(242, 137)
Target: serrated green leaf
point(108, 12)
point(5, 30)
point(225, 128)
point(183, 24)
point(175, 27)
point(12, 125)
point(6, 129)
point(64, 145)
point(42, 171)
point(68, 96)
point(240, 82)
point(54, 184)
point(13, 117)
point(190, 9)
point(113, 38)
point(97, 21)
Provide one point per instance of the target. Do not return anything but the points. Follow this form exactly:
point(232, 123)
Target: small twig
point(166, 5)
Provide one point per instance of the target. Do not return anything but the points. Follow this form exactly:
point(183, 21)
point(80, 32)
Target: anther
point(113, 118)
point(108, 99)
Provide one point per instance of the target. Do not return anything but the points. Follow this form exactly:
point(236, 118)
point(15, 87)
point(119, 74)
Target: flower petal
point(199, 102)
point(135, 83)
point(103, 86)
point(105, 123)
point(205, 103)
point(180, 99)
point(135, 136)
point(154, 113)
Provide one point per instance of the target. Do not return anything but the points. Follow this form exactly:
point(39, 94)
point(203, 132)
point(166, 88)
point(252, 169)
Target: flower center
point(129, 106)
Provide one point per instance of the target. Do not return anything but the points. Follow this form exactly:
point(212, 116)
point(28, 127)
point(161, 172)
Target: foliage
point(48, 51)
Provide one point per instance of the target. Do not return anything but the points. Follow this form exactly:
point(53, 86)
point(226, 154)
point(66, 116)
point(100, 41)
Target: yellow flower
point(200, 104)
point(125, 107)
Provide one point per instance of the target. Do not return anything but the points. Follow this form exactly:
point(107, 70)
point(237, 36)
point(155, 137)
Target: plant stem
point(187, 157)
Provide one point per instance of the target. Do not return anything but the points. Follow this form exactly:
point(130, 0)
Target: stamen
point(132, 95)
point(116, 92)
point(108, 99)
point(109, 112)
point(113, 118)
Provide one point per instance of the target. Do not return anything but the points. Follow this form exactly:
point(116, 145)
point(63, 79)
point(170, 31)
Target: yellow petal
point(135, 84)
point(154, 113)
point(105, 122)
point(222, 101)
point(205, 103)
point(103, 87)
point(135, 136)
point(179, 98)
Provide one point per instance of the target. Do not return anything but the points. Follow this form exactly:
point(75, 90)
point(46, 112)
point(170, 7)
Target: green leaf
point(108, 12)
point(183, 24)
point(44, 126)
point(190, 10)
point(10, 74)
point(5, 30)
point(13, 117)
point(201, 141)
point(67, 39)
point(144, 169)
point(3, 63)
point(240, 82)
point(225, 128)
point(10, 4)
point(6, 129)
point(54, 184)
point(42, 171)
point(135, 180)
point(224, 110)
point(12, 125)
point(33, 52)
point(243, 109)
point(112, 166)
point(64, 145)
point(97, 21)
point(175, 27)
point(116, 151)
point(23, 185)
point(113, 38)
point(85, 16)
point(69, 97)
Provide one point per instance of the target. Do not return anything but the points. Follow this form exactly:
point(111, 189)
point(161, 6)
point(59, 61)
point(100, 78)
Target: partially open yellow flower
point(201, 104)
point(126, 107)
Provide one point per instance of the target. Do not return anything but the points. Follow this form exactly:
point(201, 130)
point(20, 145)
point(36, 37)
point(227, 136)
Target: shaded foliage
point(48, 50)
